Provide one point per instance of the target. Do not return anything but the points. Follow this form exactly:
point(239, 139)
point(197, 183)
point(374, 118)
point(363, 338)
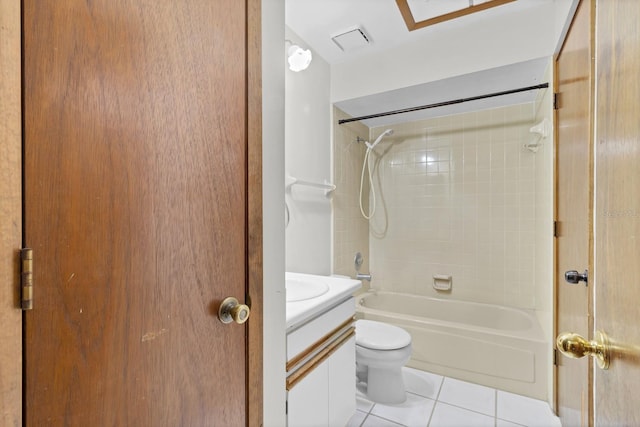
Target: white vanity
point(321, 385)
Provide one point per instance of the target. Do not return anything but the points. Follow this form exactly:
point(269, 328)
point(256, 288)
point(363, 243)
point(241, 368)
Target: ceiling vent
point(350, 40)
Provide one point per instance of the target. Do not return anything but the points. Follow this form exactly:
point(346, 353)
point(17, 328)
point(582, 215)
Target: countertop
point(340, 288)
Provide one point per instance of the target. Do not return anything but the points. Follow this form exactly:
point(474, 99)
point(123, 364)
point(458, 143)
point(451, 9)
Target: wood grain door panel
point(135, 206)
point(574, 209)
point(617, 216)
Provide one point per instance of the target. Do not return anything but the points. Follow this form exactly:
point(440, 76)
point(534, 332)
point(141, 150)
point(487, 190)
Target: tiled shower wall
point(544, 211)
point(456, 196)
point(350, 229)
point(544, 224)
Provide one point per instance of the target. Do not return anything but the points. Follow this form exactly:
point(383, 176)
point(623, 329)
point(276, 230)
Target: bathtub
point(485, 344)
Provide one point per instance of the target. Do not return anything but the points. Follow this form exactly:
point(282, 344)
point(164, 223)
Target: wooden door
point(574, 209)
point(139, 207)
point(617, 215)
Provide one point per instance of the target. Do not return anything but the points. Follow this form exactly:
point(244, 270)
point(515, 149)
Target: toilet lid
point(380, 336)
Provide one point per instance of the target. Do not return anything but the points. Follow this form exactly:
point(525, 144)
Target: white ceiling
point(317, 21)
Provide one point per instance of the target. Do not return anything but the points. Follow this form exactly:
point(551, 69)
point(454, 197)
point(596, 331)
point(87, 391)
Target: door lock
point(573, 277)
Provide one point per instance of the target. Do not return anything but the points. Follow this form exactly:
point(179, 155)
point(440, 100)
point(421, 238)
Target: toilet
point(381, 352)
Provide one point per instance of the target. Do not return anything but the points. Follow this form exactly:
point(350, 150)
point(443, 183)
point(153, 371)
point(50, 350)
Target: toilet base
point(385, 385)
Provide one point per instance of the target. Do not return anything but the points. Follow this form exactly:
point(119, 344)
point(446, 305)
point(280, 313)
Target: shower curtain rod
point(442, 104)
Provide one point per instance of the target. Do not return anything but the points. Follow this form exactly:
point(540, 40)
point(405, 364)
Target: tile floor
point(434, 400)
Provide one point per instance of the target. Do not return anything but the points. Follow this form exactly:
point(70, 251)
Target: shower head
point(382, 135)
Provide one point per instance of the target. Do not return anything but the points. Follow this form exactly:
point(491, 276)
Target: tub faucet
point(361, 276)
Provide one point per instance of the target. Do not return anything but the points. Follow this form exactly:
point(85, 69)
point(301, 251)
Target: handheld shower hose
point(365, 164)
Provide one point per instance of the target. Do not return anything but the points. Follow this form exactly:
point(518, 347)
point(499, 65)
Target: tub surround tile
point(448, 415)
point(350, 229)
point(467, 395)
point(449, 170)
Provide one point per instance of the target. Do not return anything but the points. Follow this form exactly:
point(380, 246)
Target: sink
point(309, 295)
point(304, 289)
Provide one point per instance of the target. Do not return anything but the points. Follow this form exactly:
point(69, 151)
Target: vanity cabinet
point(342, 384)
point(321, 384)
point(308, 401)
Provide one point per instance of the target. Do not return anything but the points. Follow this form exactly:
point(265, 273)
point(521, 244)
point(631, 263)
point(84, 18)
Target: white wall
point(485, 44)
point(308, 157)
point(274, 344)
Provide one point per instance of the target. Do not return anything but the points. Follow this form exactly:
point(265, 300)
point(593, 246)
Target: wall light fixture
point(298, 58)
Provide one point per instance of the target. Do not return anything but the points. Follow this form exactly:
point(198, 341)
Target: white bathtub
point(486, 344)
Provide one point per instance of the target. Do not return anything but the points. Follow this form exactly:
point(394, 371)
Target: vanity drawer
point(315, 330)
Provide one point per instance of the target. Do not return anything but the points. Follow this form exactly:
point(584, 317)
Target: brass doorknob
point(232, 311)
point(574, 346)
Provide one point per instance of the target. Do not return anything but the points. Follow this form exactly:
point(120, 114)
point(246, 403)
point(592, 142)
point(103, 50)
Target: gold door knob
point(232, 311)
point(574, 346)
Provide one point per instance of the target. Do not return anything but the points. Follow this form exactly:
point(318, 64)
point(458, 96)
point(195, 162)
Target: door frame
point(254, 286)
point(11, 213)
point(590, 321)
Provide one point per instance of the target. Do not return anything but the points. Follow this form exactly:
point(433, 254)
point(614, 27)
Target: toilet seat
point(380, 336)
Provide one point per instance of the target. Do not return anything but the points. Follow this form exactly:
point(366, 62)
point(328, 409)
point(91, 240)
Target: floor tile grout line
point(386, 419)
point(364, 419)
point(433, 409)
point(435, 401)
point(467, 409)
point(495, 408)
point(440, 389)
point(369, 401)
point(511, 422)
point(420, 395)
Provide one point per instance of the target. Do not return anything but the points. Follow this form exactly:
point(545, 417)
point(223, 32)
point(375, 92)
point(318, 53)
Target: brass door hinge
point(556, 101)
point(26, 278)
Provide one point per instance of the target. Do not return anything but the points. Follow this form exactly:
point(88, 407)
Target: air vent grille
point(350, 40)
